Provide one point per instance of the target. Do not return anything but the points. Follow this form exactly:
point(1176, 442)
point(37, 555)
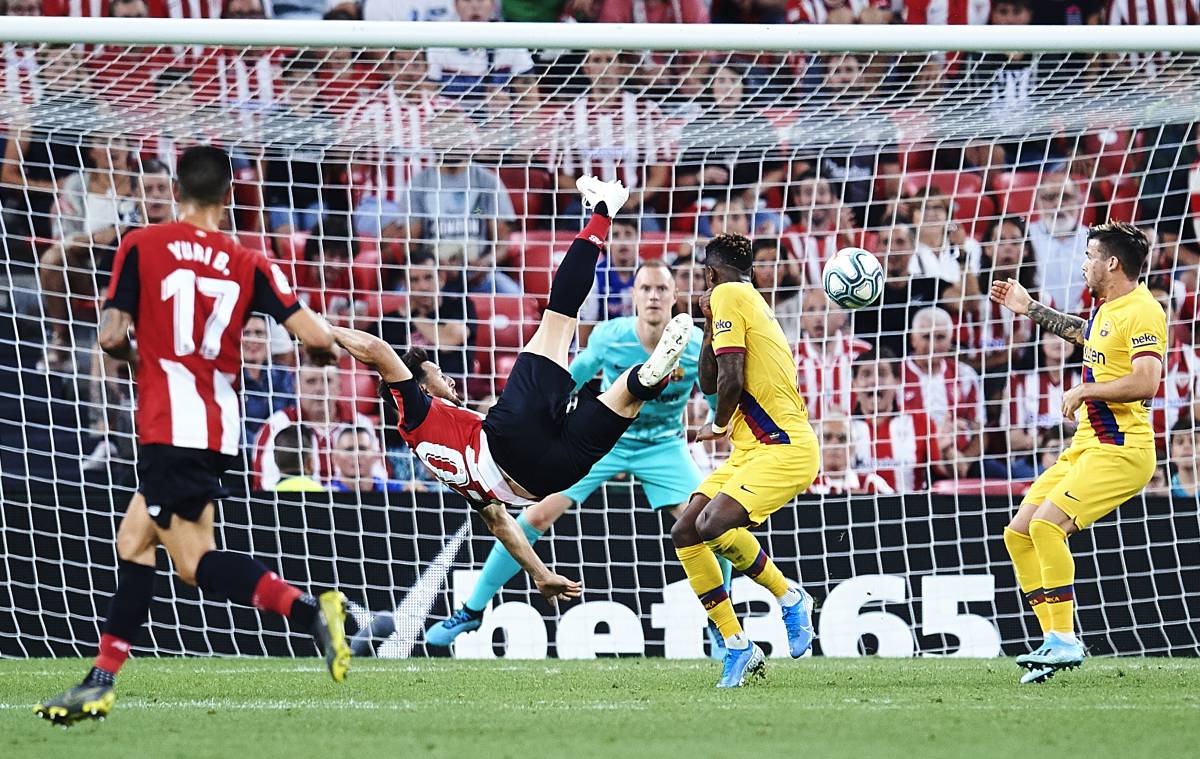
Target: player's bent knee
point(683, 533)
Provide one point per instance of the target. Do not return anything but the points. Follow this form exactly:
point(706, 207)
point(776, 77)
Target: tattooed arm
point(1016, 298)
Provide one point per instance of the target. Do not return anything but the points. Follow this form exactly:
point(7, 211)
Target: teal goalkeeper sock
point(727, 573)
point(499, 568)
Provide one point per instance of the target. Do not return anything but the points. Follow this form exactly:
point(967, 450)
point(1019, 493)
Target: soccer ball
point(853, 278)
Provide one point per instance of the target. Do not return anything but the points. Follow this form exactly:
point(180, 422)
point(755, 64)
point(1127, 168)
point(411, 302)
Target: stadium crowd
point(396, 227)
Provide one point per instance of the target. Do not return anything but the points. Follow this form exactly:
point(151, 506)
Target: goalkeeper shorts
point(1091, 482)
point(666, 472)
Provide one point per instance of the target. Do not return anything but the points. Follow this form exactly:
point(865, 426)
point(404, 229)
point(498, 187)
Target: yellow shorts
point(1090, 483)
point(766, 477)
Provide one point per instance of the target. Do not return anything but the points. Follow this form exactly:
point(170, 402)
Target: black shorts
point(180, 481)
point(540, 436)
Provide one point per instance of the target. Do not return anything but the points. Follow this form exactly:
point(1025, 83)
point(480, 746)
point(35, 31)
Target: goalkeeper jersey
point(612, 348)
point(1120, 331)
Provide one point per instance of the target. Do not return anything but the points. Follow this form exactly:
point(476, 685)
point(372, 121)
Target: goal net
point(426, 194)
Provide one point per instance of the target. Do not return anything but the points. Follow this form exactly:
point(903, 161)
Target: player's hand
point(1012, 295)
point(1072, 400)
point(555, 588)
point(705, 301)
point(706, 433)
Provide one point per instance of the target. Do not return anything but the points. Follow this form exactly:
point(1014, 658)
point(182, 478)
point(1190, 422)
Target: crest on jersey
point(677, 374)
point(1104, 329)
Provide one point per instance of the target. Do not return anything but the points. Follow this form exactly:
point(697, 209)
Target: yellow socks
point(1058, 573)
point(748, 557)
point(707, 581)
point(1029, 574)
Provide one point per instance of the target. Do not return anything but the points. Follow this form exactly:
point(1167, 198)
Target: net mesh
point(427, 195)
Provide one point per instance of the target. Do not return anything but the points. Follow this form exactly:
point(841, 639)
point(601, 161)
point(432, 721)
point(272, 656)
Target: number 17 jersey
point(189, 292)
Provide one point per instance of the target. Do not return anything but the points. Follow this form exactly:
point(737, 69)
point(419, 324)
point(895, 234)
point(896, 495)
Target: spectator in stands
point(20, 7)
point(689, 284)
point(433, 317)
point(474, 72)
point(944, 250)
point(1052, 441)
point(835, 11)
point(1068, 12)
point(1185, 475)
point(356, 463)
point(728, 215)
point(317, 406)
point(476, 267)
point(820, 225)
point(825, 353)
point(38, 159)
point(905, 289)
point(310, 10)
point(408, 10)
point(343, 11)
point(613, 294)
point(654, 12)
point(1032, 403)
point(945, 12)
point(630, 133)
point(1059, 241)
point(941, 385)
point(324, 278)
point(777, 276)
point(293, 459)
point(837, 476)
point(1004, 340)
point(267, 387)
point(898, 445)
point(460, 201)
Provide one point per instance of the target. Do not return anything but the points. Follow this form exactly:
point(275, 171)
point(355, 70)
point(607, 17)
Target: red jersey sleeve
point(124, 288)
point(273, 294)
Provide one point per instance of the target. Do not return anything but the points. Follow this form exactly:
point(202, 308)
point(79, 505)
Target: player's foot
point(741, 663)
point(612, 194)
point(77, 704)
point(329, 629)
point(797, 619)
point(462, 621)
point(1055, 653)
point(666, 355)
point(716, 642)
point(1037, 676)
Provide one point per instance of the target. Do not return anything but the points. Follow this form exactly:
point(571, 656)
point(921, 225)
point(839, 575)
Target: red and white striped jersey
point(451, 442)
point(899, 448)
point(1181, 382)
point(189, 292)
point(1153, 12)
point(811, 249)
point(850, 483)
point(1034, 399)
point(949, 394)
point(999, 330)
point(320, 464)
point(817, 12)
point(824, 370)
point(613, 141)
point(1194, 197)
point(947, 11)
point(21, 83)
point(399, 127)
point(248, 78)
point(157, 8)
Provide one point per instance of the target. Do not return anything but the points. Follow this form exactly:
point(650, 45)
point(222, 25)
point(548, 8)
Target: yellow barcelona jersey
point(771, 411)
point(1119, 331)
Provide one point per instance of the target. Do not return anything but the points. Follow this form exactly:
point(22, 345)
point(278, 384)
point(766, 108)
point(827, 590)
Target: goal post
point(417, 180)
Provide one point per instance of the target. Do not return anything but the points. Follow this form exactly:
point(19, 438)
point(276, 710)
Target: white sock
point(738, 641)
point(1068, 638)
point(792, 597)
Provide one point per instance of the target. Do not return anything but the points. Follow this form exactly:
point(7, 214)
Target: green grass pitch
point(911, 709)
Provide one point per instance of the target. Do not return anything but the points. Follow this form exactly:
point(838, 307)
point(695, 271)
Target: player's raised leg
point(128, 611)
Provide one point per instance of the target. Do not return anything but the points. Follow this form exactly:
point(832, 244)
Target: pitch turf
point(912, 709)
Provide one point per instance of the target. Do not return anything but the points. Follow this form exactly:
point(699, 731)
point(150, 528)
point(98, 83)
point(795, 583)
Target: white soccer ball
point(853, 278)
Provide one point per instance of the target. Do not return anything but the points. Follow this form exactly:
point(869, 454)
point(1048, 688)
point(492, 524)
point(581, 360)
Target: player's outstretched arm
point(316, 335)
point(553, 587)
point(373, 352)
point(1013, 296)
point(113, 335)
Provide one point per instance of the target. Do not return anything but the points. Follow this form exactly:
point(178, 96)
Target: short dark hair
point(291, 445)
point(1123, 241)
point(414, 359)
point(153, 166)
point(422, 257)
point(1183, 424)
point(882, 355)
point(331, 235)
point(205, 175)
point(733, 251)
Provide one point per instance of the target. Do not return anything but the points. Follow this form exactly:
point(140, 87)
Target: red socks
point(113, 653)
point(596, 231)
point(273, 593)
